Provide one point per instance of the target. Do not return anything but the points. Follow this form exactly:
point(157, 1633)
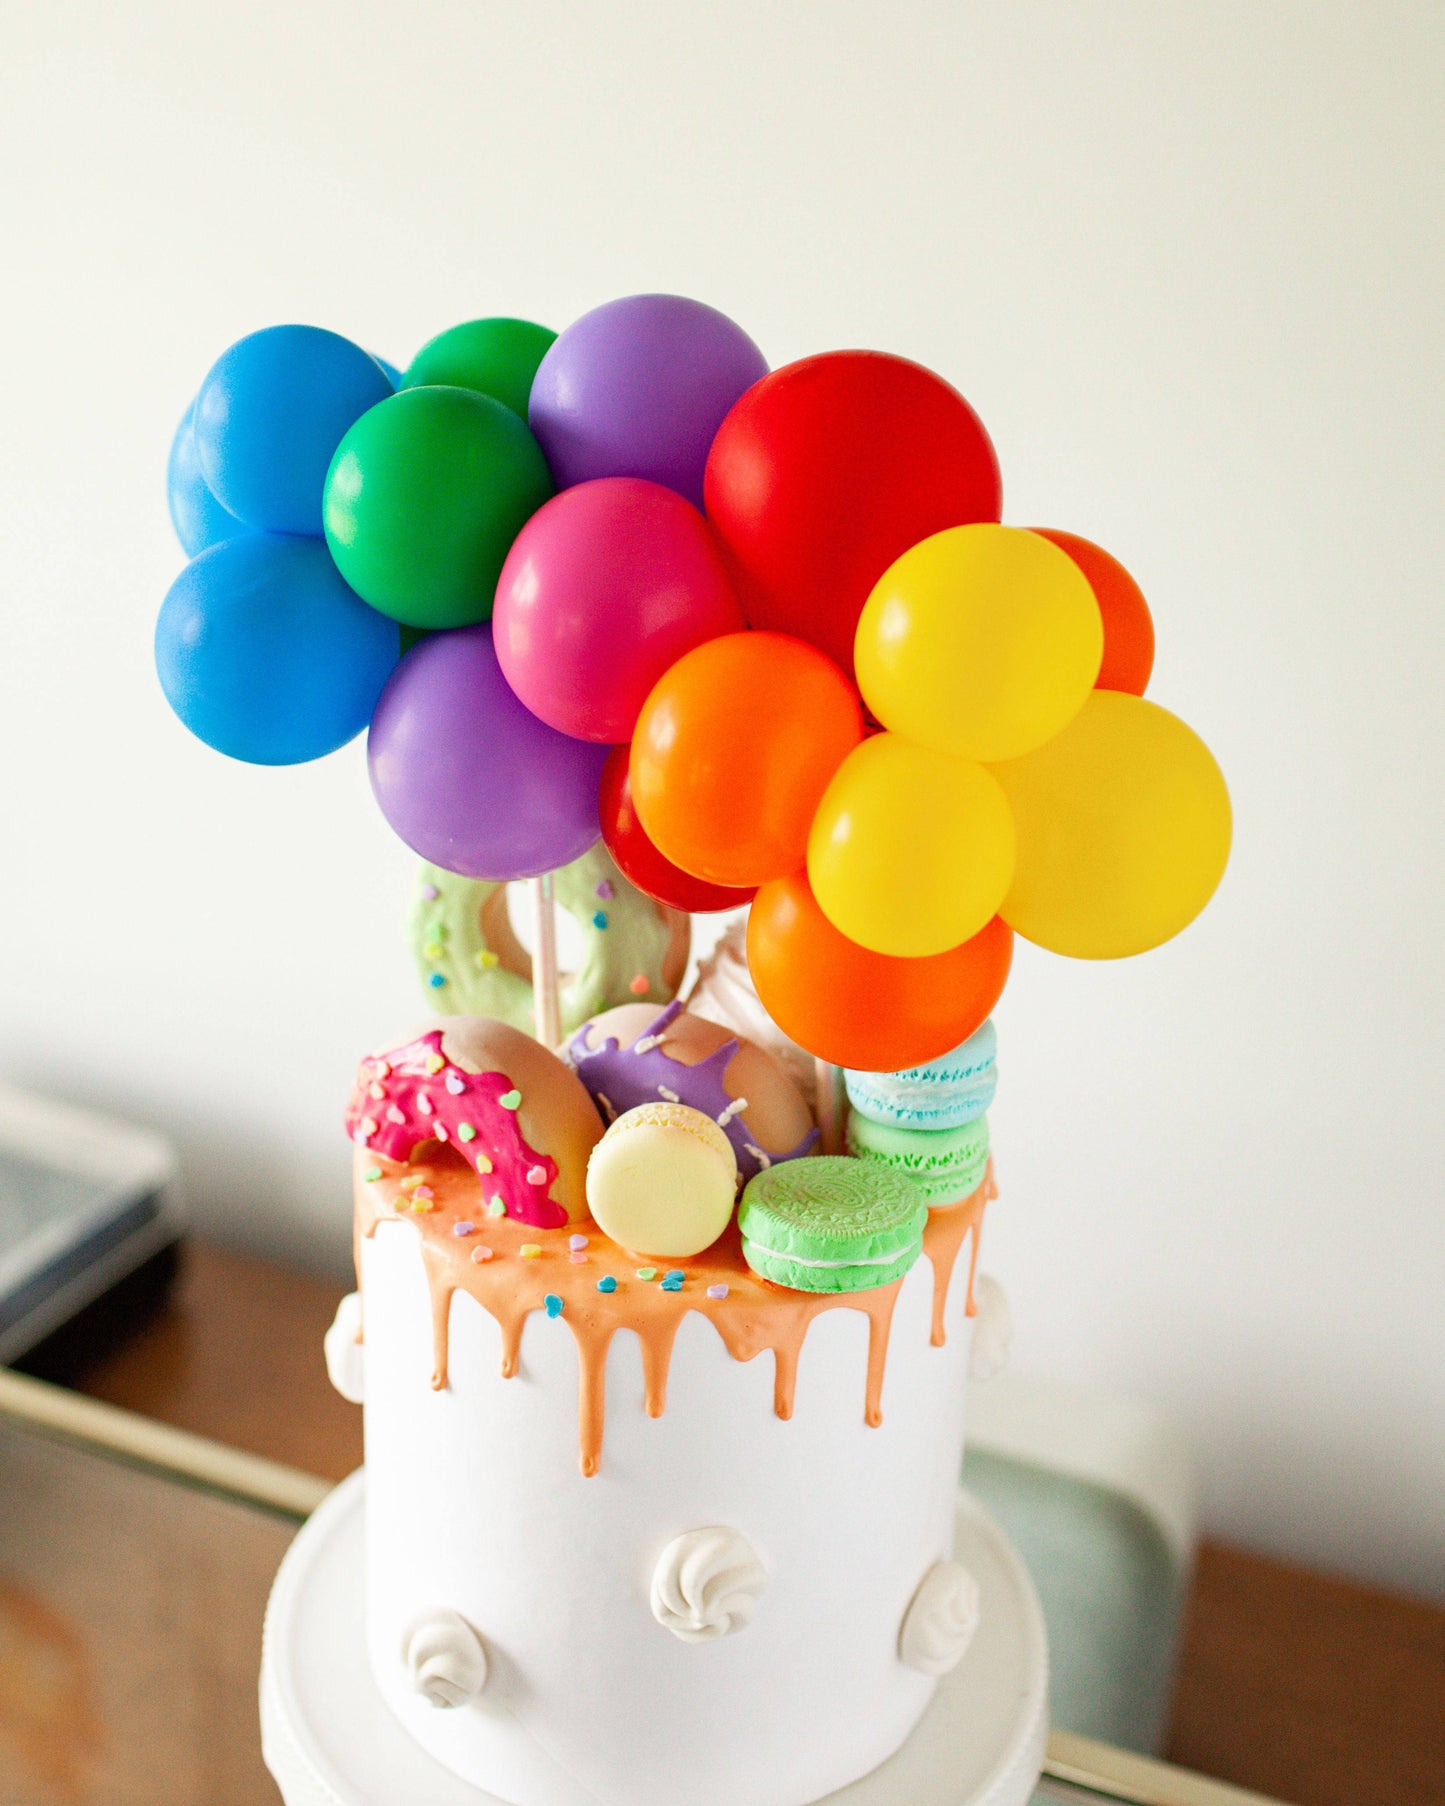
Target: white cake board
point(329, 1739)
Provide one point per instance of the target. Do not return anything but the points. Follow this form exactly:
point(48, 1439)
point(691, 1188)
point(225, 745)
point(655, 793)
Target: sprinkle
point(717, 1291)
point(442, 1131)
point(530, 1250)
point(599, 918)
point(368, 1126)
point(511, 1100)
point(396, 1114)
point(647, 1272)
point(640, 985)
point(481, 1252)
point(376, 1091)
point(421, 1205)
point(536, 1175)
point(552, 1302)
point(424, 1103)
point(464, 1229)
point(671, 1285)
point(433, 950)
point(607, 1283)
point(434, 1062)
point(429, 893)
point(575, 1242)
point(484, 1163)
point(605, 891)
point(735, 1108)
point(487, 960)
point(645, 1043)
point(372, 1172)
point(383, 1071)
point(670, 1096)
point(423, 1191)
point(465, 1132)
point(674, 1273)
point(456, 1084)
point(410, 1181)
point(577, 1259)
point(495, 1207)
point(436, 981)
point(762, 1159)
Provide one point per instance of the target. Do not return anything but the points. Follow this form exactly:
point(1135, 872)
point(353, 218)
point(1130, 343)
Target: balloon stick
point(544, 960)
point(830, 1112)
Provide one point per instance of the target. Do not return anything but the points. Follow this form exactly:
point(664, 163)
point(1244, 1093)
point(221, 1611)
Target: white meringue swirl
point(444, 1660)
point(939, 1625)
point(707, 1584)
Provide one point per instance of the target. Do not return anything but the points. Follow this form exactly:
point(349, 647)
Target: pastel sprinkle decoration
point(434, 1063)
point(671, 1285)
point(424, 1104)
point(484, 1163)
point(607, 1283)
point(530, 1250)
point(464, 1229)
point(574, 1242)
point(599, 918)
point(423, 1191)
point(496, 1208)
point(536, 1175)
point(436, 980)
point(443, 1133)
point(376, 1091)
point(647, 1272)
point(605, 891)
point(577, 1258)
point(430, 893)
point(433, 950)
point(640, 985)
point(717, 1291)
point(674, 1273)
point(553, 1304)
point(465, 1132)
point(395, 1113)
point(481, 1252)
point(410, 1181)
point(456, 1084)
point(488, 960)
point(511, 1100)
point(371, 1173)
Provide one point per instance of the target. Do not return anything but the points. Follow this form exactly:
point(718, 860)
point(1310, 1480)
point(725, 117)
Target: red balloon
point(639, 860)
point(871, 1011)
point(826, 471)
point(1128, 625)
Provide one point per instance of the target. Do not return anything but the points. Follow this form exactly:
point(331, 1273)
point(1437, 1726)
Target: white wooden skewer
point(830, 1113)
point(545, 991)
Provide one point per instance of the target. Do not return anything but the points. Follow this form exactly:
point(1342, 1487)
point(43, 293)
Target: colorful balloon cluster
point(762, 631)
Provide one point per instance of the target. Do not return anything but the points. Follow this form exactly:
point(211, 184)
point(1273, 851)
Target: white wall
point(1186, 262)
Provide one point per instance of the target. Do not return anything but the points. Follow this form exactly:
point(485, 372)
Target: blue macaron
point(945, 1094)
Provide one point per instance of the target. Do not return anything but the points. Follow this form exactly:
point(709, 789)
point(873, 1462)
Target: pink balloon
point(605, 587)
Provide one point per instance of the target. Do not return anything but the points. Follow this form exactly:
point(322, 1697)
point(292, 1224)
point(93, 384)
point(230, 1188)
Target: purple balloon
point(639, 388)
point(469, 778)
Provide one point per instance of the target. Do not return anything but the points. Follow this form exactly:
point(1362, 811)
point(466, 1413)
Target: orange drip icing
point(755, 1315)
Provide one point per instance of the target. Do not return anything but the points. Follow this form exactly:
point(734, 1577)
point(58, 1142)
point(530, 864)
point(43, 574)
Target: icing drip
point(416, 1095)
point(749, 1314)
point(621, 1078)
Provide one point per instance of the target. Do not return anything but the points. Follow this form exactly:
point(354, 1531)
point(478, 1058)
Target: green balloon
point(423, 500)
point(496, 357)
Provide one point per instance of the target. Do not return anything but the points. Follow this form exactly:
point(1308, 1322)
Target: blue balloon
point(270, 415)
point(267, 655)
point(198, 518)
point(393, 375)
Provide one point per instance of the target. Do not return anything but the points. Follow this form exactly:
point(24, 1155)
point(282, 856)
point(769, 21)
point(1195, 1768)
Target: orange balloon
point(734, 747)
point(871, 1011)
point(1128, 625)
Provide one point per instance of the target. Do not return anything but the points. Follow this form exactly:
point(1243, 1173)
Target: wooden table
point(1314, 1690)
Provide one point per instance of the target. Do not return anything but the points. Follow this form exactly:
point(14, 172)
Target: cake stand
point(330, 1740)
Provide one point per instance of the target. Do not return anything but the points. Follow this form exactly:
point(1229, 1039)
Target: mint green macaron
point(827, 1223)
point(944, 1165)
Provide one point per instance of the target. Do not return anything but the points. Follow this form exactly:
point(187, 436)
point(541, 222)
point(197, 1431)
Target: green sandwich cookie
point(944, 1166)
point(831, 1224)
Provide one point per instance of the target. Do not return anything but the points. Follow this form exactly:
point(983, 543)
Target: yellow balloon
point(982, 641)
point(1123, 828)
point(911, 850)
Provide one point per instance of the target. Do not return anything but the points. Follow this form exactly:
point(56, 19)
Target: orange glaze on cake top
point(509, 1284)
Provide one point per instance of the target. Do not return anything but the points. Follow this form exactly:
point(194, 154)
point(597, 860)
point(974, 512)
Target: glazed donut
point(472, 964)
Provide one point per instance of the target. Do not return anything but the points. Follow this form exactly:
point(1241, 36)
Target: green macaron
point(944, 1165)
point(828, 1223)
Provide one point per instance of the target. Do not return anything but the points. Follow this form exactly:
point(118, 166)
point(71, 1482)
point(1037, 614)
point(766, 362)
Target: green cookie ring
point(944, 1165)
point(471, 963)
point(828, 1223)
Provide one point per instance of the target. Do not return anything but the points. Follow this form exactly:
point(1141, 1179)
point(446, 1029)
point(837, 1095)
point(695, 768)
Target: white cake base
point(329, 1739)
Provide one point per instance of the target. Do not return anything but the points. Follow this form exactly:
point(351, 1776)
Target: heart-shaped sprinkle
point(647, 1272)
point(577, 1258)
point(607, 1283)
point(488, 960)
point(639, 986)
point(605, 891)
point(410, 1181)
point(423, 1191)
point(376, 1091)
point(530, 1250)
point(429, 893)
point(599, 920)
point(455, 1084)
point(511, 1100)
point(434, 1063)
point(671, 1285)
point(464, 1228)
point(536, 1175)
point(424, 1103)
point(396, 1114)
point(574, 1242)
point(383, 1071)
point(481, 1252)
point(484, 1163)
point(465, 1132)
point(442, 1132)
point(495, 1207)
point(553, 1304)
point(368, 1126)
point(717, 1291)
point(371, 1173)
